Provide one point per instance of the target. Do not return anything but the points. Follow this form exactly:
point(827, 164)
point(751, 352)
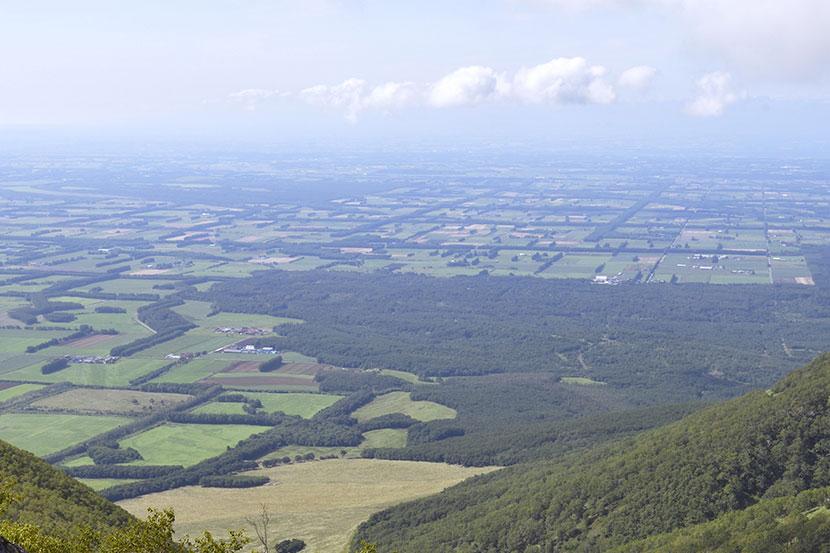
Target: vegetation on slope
point(792, 524)
point(720, 459)
point(51, 499)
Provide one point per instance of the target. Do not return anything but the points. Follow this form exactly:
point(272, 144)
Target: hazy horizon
point(643, 72)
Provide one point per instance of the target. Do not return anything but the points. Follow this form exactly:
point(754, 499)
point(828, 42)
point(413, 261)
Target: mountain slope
point(721, 459)
point(792, 524)
point(51, 499)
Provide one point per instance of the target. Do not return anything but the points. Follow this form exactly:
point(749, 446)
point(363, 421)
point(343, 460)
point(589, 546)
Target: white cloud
point(352, 97)
point(563, 81)
point(466, 86)
point(251, 98)
point(714, 94)
point(392, 95)
point(346, 96)
point(559, 81)
point(637, 78)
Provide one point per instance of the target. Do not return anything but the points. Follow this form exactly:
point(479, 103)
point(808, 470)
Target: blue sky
point(367, 68)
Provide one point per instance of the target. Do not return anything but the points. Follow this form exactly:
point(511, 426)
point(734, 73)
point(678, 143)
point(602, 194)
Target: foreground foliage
point(153, 535)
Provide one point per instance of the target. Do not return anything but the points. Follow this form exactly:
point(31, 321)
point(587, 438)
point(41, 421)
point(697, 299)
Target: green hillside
point(792, 524)
point(50, 499)
point(721, 459)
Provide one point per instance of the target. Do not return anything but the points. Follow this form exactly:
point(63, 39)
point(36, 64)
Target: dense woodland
point(674, 342)
point(792, 524)
point(724, 458)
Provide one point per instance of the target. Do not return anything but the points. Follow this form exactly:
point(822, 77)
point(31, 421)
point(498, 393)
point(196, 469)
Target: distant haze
point(639, 70)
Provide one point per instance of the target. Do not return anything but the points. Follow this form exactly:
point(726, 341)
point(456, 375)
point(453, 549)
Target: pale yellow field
point(321, 502)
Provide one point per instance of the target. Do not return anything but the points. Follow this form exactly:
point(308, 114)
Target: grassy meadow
point(320, 502)
point(400, 402)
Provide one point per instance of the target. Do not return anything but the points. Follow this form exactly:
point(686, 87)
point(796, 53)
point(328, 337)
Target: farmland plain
point(498, 305)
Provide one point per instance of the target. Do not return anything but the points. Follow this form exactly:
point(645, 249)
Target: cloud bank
point(560, 81)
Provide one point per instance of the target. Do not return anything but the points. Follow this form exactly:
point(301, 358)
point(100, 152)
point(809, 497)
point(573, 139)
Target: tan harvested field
point(120, 402)
point(321, 502)
point(91, 341)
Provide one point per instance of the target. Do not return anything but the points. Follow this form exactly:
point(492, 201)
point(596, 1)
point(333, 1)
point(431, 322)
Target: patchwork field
point(304, 405)
point(46, 433)
point(99, 484)
point(264, 381)
point(117, 374)
point(186, 444)
point(400, 402)
point(9, 390)
point(320, 502)
point(385, 437)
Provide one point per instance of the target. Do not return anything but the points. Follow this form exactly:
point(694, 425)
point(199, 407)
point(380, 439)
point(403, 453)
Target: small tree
point(262, 526)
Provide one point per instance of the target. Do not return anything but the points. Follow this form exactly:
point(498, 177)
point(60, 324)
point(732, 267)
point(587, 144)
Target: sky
point(650, 71)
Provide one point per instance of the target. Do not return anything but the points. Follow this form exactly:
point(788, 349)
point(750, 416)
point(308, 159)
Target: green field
point(580, 381)
point(405, 376)
point(130, 286)
point(292, 451)
point(43, 433)
point(195, 340)
point(385, 437)
point(18, 390)
point(13, 342)
point(400, 402)
point(197, 369)
point(187, 444)
point(117, 374)
point(304, 405)
point(98, 484)
point(197, 311)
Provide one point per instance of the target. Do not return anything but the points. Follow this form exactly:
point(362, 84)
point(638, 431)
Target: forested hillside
point(52, 500)
point(724, 458)
point(791, 524)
